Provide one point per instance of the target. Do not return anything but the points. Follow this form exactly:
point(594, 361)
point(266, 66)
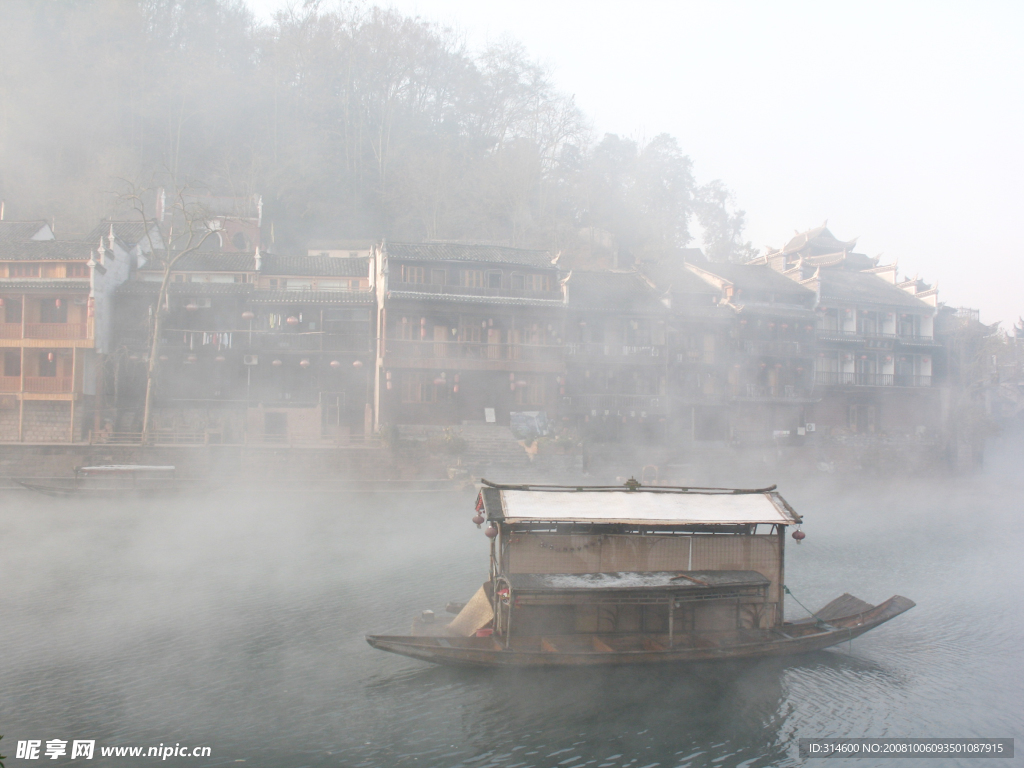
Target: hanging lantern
point(357, 363)
point(491, 532)
point(292, 320)
point(276, 363)
point(247, 315)
point(220, 358)
point(304, 363)
point(57, 303)
point(335, 364)
point(1, 301)
point(799, 535)
point(478, 519)
point(49, 356)
point(191, 306)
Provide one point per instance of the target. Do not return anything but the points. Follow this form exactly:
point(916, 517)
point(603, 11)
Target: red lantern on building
point(57, 303)
point(292, 320)
point(49, 356)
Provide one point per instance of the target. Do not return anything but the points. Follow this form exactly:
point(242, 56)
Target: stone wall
point(46, 422)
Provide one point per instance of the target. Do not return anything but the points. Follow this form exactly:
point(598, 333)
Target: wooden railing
point(48, 384)
point(45, 331)
point(455, 350)
point(10, 383)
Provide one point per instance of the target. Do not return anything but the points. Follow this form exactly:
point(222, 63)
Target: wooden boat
point(572, 582)
point(111, 481)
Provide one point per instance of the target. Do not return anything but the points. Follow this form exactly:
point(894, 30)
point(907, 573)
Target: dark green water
point(237, 622)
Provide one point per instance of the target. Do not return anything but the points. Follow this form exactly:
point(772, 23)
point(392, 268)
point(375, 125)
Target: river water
point(237, 623)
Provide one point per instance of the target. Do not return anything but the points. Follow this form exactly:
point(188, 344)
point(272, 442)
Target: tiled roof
point(611, 292)
point(313, 297)
point(315, 266)
point(128, 232)
point(248, 290)
point(450, 298)
point(672, 274)
point(20, 231)
point(864, 288)
point(753, 280)
point(61, 283)
point(46, 250)
point(205, 261)
point(817, 241)
point(271, 264)
point(144, 287)
point(496, 254)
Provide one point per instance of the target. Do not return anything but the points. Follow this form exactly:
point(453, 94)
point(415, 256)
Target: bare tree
point(195, 228)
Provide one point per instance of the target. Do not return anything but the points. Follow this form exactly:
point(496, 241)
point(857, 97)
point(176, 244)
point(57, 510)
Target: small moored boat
point(631, 574)
point(111, 480)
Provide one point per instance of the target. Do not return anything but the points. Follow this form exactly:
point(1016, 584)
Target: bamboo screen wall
point(540, 553)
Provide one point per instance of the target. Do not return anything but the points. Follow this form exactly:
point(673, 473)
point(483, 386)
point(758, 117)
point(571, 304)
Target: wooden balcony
point(10, 383)
point(474, 356)
point(56, 330)
point(48, 384)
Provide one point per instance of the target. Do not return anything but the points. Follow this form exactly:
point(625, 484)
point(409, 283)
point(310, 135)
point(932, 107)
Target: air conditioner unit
point(809, 426)
point(251, 359)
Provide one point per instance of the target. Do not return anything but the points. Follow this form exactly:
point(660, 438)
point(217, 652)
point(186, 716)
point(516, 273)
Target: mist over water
point(237, 621)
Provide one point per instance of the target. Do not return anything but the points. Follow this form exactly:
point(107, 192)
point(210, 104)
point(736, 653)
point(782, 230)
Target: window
point(494, 280)
point(12, 310)
point(76, 270)
point(413, 274)
point(419, 388)
point(241, 278)
point(12, 362)
point(53, 311)
point(298, 285)
point(23, 270)
point(406, 330)
point(471, 278)
point(530, 390)
point(47, 362)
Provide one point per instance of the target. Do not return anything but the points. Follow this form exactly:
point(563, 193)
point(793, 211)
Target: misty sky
point(899, 123)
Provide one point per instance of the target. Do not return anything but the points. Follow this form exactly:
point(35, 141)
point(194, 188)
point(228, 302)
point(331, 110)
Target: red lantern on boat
point(799, 535)
point(304, 363)
point(357, 363)
point(478, 519)
point(335, 364)
point(491, 532)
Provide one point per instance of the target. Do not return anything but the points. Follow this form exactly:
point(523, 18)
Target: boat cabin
point(656, 562)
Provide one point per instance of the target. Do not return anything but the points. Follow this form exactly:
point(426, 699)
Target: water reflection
point(239, 623)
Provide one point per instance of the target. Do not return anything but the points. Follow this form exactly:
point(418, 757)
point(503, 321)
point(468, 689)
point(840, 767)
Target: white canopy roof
point(658, 508)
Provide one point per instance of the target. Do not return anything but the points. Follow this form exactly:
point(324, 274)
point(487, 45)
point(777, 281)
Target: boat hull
point(791, 638)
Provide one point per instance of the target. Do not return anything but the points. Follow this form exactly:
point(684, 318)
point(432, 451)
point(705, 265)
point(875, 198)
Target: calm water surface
point(237, 622)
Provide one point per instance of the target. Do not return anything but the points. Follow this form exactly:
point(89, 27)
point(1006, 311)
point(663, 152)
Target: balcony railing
point(10, 383)
point(764, 392)
point(45, 331)
point(773, 347)
point(632, 351)
point(853, 379)
point(458, 290)
point(615, 403)
point(48, 384)
point(269, 341)
point(840, 335)
point(465, 350)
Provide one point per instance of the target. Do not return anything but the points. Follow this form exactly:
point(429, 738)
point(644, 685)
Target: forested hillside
point(351, 122)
